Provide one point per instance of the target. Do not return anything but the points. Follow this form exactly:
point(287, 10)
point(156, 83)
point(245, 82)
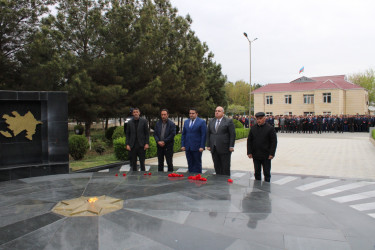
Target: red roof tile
point(311, 83)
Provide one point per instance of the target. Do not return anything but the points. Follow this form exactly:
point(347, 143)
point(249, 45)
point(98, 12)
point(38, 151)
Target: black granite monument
point(33, 134)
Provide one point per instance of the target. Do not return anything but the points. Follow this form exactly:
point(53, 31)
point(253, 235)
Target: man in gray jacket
point(221, 135)
point(137, 139)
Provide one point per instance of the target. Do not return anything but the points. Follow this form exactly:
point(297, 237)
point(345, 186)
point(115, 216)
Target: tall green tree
point(78, 31)
point(18, 22)
point(366, 80)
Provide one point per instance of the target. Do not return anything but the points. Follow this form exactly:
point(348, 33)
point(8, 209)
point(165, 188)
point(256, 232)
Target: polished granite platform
point(291, 212)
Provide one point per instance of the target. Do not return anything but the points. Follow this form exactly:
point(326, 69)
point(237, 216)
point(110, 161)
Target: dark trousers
point(221, 162)
point(166, 152)
point(194, 159)
point(266, 163)
point(137, 151)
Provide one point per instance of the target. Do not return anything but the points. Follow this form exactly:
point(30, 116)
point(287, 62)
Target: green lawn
point(93, 160)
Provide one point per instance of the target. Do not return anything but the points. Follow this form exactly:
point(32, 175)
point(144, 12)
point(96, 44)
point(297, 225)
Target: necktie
point(191, 123)
point(217, 125)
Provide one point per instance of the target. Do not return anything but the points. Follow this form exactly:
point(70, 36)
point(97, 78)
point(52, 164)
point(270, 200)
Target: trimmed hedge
point(78, 146)
point(109, 133)
point(373, 134)
point(237, 123)
point(120, 149)
point(119, 132)
point(242, 133)
point(122, 154)
point(177, 143)
point(99, 147)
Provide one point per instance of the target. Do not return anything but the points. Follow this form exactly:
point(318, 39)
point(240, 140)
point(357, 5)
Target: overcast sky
point(327, 37)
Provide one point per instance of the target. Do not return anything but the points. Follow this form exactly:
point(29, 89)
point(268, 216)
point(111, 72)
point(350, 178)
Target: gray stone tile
point(21, 228)
point(23, 210)
point(171, 234)
point(175, 216)
point(113, 236)
point(301, 243)
point(37, 239)
point(76, 233)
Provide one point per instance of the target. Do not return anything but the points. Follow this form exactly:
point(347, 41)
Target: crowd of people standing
point(314, 123)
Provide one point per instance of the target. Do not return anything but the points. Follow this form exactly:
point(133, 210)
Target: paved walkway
point(348, 155)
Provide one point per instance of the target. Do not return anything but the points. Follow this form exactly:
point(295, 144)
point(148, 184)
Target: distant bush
point(120, 149)
point(99, 147)
point(152, 151)
point(109, 133)
point(119, 132)
point(242, 133)
point(78, 129)
point(98, 137)
point(78, 146)
point(177, 143)
point(237, 123)
point(122, 154)
point(373, 134)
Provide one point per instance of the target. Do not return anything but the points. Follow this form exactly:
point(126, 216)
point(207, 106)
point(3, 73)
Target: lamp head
point(245, 34)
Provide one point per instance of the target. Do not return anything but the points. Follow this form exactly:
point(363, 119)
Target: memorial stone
point(33, 134)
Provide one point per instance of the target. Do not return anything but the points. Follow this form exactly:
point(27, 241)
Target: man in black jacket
point(164, 133)
point(137, 139)
point(261, 146)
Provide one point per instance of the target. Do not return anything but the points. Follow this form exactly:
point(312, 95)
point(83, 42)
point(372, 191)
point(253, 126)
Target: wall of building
point(342, 102)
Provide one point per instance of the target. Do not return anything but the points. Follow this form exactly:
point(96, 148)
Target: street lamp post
point(250, 71)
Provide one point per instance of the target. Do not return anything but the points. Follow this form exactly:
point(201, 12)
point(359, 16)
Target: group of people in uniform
point(315, 123)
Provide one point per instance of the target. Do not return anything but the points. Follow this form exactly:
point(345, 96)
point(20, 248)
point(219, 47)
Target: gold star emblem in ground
point(88, 206)
point(18, 123)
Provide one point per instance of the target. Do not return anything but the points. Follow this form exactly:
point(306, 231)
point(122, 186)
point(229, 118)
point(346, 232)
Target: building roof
point(305, 83)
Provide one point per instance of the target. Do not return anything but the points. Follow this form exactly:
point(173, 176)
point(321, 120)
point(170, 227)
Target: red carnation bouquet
point(197, 177)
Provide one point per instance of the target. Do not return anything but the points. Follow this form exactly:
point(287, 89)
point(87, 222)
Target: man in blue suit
point(193, 141)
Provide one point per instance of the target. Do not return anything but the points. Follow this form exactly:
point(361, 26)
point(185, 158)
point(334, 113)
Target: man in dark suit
point(193, 141)
point(221, 135)
point(137, 139)
point(164, 133)
point(261, 146)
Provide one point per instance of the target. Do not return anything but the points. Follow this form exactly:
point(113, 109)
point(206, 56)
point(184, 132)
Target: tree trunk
point(120, 121)
point(87, 129)
point(106, 123)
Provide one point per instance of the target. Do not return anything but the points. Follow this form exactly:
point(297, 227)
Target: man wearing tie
point(221, 135)
point(193, 141)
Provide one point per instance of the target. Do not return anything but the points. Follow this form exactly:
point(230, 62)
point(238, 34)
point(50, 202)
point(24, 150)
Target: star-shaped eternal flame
point(88, 206)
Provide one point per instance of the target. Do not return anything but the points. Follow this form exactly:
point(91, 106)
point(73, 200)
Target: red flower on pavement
point(145, 174)
point(116, 174)
point(124, 174)
point(230, 180)
point(197, 177)
point(175, 175)
point(149, 173)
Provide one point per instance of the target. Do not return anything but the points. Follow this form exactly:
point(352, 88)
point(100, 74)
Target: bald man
point(221, 135)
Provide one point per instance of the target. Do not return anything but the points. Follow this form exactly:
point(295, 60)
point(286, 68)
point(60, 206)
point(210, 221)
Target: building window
point(269, 99)
point(288, 99)
point(308, 99)
point(326, 112)
point(269, 113)
point(308, 113)
point(288, 113)
point(327, 97)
